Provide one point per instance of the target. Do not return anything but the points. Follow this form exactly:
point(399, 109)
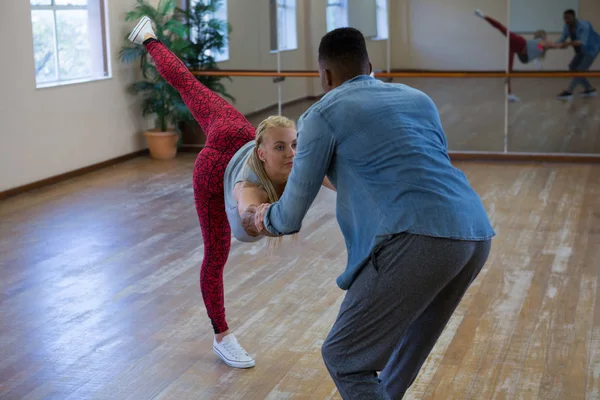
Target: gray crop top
point(235, 172)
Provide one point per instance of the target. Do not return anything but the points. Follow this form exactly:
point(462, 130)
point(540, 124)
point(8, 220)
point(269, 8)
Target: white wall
point(47, 132)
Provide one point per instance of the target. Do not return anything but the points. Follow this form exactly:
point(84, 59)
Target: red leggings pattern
point(516, 44)
point(226, 130)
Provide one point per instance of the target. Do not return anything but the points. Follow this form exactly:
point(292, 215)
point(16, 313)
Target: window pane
point(281, 28)
point(40, 2)
point(42, 22)
point(71, 2)
point(74, 52)
point(291, 31)
point(382, 19)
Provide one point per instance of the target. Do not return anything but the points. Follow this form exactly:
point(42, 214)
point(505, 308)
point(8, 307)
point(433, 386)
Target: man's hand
point(248, 218)
point(259, 218)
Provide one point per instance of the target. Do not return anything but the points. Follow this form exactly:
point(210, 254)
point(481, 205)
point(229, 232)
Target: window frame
point(379, 10)
point(289, 12)
point(343, 5)
point(103, 39)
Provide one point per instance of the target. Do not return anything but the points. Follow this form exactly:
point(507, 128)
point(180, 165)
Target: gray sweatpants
point(395, 311)
point(581, 62)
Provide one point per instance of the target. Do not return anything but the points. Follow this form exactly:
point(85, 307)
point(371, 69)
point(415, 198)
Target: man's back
point(391, 170)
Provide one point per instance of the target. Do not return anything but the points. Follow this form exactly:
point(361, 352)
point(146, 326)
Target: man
point(586, 43)
point(416, 233)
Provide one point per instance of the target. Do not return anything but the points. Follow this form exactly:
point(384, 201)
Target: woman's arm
point(248, 197)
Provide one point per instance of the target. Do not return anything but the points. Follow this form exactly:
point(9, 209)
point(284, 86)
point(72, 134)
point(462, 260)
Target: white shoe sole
point(138, 28)
point(232, 363)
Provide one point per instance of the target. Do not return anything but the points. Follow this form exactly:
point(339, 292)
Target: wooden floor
point(473, 115)
point(100, 297)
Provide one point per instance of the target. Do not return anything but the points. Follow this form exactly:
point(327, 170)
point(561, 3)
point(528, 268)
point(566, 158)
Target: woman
point(234, 172)
point(526, 50)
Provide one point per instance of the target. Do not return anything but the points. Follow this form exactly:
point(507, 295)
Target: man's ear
point(328, 77)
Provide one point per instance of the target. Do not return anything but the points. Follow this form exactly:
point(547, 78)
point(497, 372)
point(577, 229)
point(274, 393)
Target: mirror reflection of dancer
point(586, 44)
point(526, 50)
point(236, 170)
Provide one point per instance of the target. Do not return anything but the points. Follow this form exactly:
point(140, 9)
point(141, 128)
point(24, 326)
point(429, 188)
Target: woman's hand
point(248, 217)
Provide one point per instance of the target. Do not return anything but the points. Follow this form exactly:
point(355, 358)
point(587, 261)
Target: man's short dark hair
point(570, 11)
point(345, 46)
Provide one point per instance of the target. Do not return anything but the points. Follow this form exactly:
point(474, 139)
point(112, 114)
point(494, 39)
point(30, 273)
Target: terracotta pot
point(162, 145)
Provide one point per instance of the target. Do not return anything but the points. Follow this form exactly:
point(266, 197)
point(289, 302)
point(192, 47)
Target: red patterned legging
point(516, 43)
point(226, 132)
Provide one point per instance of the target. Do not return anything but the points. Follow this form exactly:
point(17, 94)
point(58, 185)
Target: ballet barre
point(407, 74)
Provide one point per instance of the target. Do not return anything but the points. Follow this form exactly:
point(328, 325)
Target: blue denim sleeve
point(583, 35)
point(313, 154)
point(565, 34)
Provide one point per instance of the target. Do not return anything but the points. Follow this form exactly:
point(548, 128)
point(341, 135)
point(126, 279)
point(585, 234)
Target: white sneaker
point(141, 29)
point(513, 99)
point(232, 352)
point(479, 13)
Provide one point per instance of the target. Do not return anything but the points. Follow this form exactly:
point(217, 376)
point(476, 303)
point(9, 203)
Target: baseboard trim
point(190, 148)
point(71, 174)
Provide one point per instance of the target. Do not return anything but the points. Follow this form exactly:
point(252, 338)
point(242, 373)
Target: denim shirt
point(584, 31)
point(383, 148)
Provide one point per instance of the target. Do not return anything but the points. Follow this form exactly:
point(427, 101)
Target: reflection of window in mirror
point(337, 16)
point(221, 15)
point(382, 20)
point(284, 32)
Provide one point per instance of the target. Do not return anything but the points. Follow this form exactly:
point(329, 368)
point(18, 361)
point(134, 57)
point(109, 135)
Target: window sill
point(378, 39)
point(282, 50)
point(71, 82)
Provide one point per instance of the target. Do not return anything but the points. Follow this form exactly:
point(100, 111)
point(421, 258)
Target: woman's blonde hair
point(257, 166)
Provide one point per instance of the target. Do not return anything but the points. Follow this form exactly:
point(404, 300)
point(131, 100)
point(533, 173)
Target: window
point(382, 20)
point(221, 15)
point(69, 41)
point(284, 34)
point(337, 14)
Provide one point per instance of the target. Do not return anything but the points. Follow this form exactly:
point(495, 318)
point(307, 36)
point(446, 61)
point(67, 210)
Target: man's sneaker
point(141, 29)
point(566, 95)
point(513, 99)
point(232, 353)
point(588, 93)
point(479, 13)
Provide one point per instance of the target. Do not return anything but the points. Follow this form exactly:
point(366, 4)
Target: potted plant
point(207, 37)
point(159, 98)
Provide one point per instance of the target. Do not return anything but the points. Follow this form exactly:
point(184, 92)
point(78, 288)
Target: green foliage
point(207, 36)
point(67, 32)
point(174, 27)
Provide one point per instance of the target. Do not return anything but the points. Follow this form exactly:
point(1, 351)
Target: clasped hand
point(252, 220)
